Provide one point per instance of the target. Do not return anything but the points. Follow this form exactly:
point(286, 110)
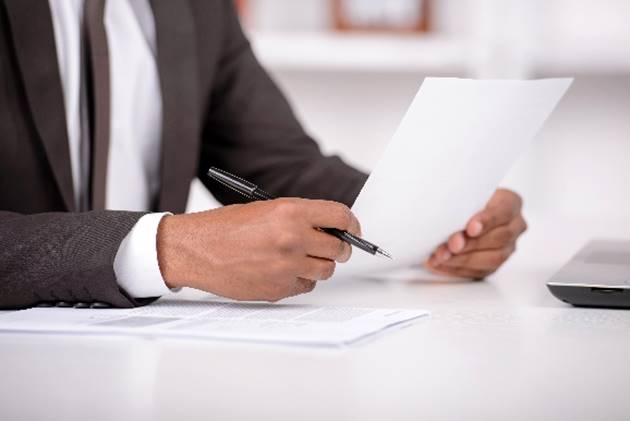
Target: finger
point(488, 219)
point(328, 214)
point(505, 196)
point(304, 285)
point(485, 260)
point(299, 286)
point(457, 272)
point(440, 255)
point(316, 269)
point(504, 206)
point(457, 242)
point(326, 246)
point(355, 226)
point(497, 238)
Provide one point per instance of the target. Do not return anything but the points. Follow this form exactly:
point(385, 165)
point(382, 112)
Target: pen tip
point(384, 253)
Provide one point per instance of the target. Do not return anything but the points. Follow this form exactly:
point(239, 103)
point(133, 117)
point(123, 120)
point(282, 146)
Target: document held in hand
point(455, 144)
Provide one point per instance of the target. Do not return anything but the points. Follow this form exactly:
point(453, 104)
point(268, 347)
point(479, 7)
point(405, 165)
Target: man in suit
point(109, 109)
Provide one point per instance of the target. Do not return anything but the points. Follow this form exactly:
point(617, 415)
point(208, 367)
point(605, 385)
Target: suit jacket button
point(44, 304)
point(82, 305)
point(98, 304)
point(63, 304)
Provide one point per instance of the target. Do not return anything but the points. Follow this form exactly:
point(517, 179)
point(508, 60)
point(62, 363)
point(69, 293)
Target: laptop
point(597, 276)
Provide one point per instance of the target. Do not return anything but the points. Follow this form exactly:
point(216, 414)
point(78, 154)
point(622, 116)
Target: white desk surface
point(502, 349)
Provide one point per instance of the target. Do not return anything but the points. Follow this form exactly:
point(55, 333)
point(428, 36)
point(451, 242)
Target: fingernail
point(476, 228)
point(459, 243)
point(445, 256)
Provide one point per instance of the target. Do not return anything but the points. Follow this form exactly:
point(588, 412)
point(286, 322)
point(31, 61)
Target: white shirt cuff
point(136, 263)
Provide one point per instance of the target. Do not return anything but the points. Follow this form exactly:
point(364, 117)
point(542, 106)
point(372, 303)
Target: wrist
point(166, 246)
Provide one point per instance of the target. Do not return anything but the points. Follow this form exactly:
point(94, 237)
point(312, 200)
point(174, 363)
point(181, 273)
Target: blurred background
point(351, 67)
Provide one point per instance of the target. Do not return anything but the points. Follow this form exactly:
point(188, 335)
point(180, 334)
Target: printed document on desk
point(244, 322)
point(453, 147)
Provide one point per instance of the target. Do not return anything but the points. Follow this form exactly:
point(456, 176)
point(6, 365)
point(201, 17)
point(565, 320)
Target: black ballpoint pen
point(252, 191)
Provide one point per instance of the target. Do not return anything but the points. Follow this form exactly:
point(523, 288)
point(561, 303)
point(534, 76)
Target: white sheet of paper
point(455, 144)
point(245, 322)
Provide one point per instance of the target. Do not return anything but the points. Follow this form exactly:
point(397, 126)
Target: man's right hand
point(259, 251)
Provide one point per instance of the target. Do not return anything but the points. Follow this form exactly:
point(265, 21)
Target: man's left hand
point(487, 242)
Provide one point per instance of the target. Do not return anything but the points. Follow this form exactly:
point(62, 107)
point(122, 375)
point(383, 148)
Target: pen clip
point(219, 174)
point(239, 185)
point(234, 189)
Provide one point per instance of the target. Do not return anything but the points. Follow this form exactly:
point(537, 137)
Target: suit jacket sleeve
point(51, 257)
point(250, 130)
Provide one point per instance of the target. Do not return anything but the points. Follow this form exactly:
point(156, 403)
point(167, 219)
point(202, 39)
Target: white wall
point(580, 164)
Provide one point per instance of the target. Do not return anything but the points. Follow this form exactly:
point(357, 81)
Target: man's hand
point(259, 251)
point(486, 243)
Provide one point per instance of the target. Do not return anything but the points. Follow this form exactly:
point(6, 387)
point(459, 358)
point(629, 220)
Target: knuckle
point(287, 241)
point(328, 270)
point(344, 217)
point(340, 249)
point(309, 286)
point(347, 253)
point(287, 208)
point(497, 259)
point(301, 286)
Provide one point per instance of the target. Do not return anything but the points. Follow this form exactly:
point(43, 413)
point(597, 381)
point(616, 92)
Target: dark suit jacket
point(220, 108)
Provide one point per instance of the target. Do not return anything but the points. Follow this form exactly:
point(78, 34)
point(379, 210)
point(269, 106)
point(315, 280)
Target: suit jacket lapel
point(33, 37)
point(177, 64)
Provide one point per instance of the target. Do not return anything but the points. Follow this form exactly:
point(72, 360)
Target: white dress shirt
point(135, 127)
